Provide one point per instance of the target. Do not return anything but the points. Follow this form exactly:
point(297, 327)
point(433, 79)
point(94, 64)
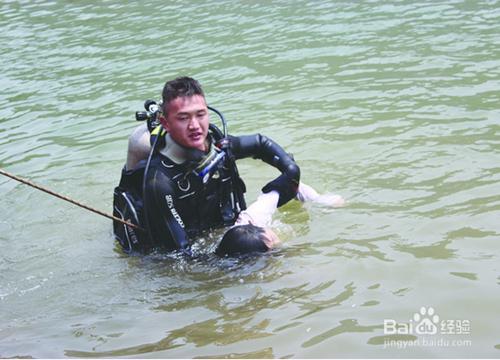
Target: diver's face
point(271, 239)
point(187, 121)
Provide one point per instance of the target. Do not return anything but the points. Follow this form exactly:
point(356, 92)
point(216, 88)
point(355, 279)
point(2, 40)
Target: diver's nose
point(193, 124)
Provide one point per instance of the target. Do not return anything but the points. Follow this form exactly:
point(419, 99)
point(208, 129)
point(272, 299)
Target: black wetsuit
point(179, 206)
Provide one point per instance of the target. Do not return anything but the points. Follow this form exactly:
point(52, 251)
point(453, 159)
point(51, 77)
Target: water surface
point(393, 105)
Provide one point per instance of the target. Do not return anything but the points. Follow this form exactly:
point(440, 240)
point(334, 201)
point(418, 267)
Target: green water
point(394, 105)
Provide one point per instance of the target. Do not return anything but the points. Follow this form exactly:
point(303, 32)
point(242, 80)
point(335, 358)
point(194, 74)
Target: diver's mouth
point(195, 136)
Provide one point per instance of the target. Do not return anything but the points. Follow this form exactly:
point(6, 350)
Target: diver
point(184, 180)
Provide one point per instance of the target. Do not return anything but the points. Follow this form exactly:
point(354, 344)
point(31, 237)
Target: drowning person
point(252, 233)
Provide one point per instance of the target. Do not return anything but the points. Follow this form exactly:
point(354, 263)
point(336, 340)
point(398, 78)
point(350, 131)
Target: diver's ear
point(164, 122)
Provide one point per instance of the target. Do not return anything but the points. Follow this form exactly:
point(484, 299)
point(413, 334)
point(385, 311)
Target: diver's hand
point(286, 187)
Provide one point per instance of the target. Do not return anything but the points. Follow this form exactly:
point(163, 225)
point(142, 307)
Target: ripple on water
point(393, 106)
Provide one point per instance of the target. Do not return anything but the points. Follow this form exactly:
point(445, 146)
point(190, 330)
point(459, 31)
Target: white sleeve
point(260, 212)
point(306, 193)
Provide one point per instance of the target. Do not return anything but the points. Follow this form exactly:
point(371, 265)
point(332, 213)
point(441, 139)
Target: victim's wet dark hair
point(242, 239)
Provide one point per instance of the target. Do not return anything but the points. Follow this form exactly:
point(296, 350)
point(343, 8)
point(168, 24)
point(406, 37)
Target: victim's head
point(245, 239)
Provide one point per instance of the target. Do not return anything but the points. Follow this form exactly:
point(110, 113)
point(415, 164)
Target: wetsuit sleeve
point(261, 147)
point(165, 224)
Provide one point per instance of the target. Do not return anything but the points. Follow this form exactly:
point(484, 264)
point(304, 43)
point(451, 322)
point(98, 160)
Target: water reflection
point(265, 353)
point(465, 275)
point(435, 251)
point(346, 326)
point(310, 306)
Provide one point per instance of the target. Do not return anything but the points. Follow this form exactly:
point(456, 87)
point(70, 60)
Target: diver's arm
point(262, 147)
point(165, 223)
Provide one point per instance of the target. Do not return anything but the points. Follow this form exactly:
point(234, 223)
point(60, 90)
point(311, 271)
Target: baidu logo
point(426, 322)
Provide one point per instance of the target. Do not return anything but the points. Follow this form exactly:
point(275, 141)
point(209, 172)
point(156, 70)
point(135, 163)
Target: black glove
point(286, 187)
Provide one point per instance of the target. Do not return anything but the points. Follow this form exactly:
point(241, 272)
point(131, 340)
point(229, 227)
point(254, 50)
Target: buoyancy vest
point(200, 204)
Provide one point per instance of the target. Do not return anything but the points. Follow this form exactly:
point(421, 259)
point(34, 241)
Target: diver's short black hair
point(181, 87)
point(242, 239)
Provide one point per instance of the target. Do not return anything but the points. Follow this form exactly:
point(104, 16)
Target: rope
point(74, 202)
